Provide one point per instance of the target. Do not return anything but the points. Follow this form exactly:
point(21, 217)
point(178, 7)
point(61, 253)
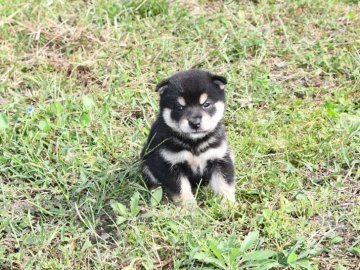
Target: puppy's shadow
point(120, 187)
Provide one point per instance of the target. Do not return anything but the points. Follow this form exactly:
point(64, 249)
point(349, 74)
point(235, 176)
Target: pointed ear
point(161, 87)
point(220, 81)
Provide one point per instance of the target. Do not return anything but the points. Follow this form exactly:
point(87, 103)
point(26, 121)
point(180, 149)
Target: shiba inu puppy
point(187, 142)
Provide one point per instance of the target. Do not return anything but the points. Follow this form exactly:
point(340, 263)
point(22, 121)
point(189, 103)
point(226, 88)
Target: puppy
point(187, 142)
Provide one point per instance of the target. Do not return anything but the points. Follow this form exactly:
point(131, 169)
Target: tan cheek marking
point(181, 101)
point(203, 98)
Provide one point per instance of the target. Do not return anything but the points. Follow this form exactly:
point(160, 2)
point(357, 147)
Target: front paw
point(228, 202)
point(189, 203)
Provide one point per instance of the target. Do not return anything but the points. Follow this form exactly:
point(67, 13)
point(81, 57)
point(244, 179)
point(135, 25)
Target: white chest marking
point(197, 163)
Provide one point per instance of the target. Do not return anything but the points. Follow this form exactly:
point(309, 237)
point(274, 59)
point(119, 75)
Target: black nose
point(194, 122)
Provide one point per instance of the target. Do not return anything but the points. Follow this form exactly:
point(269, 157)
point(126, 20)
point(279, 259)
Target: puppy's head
point(192, 102)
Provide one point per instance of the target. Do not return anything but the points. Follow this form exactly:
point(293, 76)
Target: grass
point(77, 99)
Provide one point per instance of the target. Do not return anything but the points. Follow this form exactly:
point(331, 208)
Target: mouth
point(198, 132)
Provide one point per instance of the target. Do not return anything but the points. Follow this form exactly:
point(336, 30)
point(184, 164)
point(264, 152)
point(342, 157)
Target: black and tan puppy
point(187, 143)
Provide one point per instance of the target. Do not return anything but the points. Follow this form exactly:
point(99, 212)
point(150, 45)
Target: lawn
point(77, 98)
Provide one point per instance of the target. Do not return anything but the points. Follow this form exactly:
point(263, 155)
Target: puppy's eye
point(179, 108)
point(206, 105)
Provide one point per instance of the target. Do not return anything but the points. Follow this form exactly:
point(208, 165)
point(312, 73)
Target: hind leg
point(150, 180)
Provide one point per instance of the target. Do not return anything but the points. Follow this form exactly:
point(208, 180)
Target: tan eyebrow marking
point(181, 101)
point(203, 98)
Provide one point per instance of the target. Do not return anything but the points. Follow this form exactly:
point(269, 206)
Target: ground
point(77, 98)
